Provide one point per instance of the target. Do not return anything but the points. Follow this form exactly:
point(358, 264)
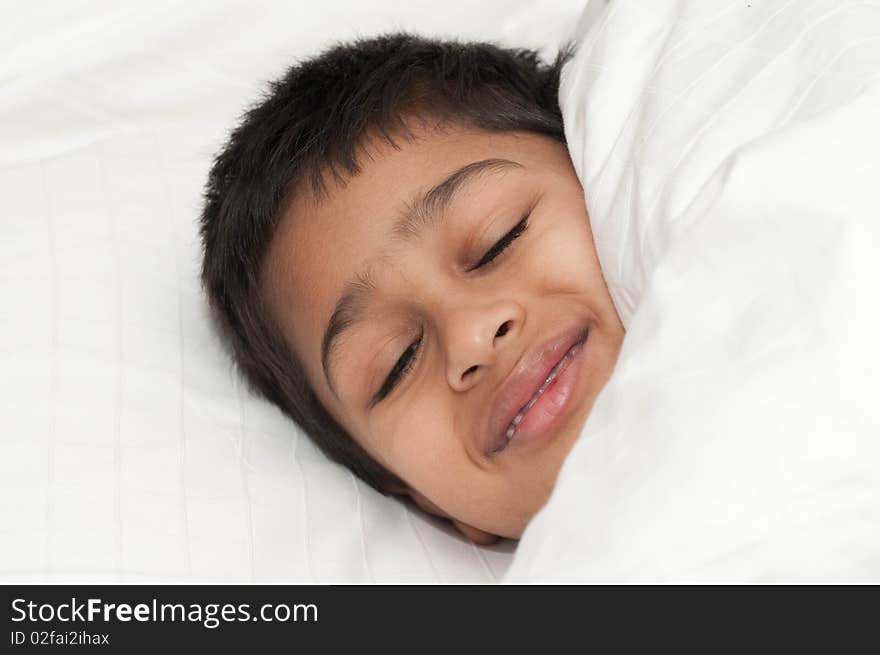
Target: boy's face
point(430, 299)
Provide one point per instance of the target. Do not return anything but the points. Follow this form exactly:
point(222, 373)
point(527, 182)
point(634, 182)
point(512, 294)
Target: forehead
point(321, 245)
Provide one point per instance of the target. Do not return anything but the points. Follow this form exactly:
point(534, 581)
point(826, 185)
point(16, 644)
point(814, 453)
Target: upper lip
point(526, 377)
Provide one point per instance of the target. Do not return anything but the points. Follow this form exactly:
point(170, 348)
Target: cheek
point(417, 438)
point(565, 257)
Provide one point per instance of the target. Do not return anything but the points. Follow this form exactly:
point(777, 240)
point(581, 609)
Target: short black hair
point(311, 123)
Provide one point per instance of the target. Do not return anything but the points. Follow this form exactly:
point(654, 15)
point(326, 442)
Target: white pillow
point(129, 450)
point(729, 156)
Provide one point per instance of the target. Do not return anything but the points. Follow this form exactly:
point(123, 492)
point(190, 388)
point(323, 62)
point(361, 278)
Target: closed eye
point(502, 244)
point(401, 367)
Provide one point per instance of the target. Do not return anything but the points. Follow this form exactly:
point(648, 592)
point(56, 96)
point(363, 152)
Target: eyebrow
point(419, 214)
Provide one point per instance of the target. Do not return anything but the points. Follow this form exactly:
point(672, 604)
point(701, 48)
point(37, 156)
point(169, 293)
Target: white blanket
point(730, 157)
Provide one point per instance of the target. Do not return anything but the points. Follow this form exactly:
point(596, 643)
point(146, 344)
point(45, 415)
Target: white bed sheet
point(129, 451)
point(730, 157)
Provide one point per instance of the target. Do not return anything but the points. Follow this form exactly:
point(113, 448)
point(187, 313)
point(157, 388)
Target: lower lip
point(547, 411)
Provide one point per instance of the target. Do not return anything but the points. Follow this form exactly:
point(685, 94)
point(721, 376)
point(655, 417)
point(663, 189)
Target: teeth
point(511, 430)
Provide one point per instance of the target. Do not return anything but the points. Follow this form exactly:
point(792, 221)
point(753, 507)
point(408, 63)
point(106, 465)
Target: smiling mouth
point(537, 392)
point(551, 377)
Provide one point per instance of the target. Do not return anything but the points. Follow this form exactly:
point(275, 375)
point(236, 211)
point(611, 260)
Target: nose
point(475, 335)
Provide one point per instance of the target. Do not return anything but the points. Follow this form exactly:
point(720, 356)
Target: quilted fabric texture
point(129, 449)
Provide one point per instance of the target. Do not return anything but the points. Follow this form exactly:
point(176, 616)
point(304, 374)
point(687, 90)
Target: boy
point(398, 254)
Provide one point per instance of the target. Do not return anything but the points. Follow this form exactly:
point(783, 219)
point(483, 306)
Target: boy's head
point(398, 253)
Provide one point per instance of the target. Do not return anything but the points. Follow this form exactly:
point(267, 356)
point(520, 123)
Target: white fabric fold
point(730, 154)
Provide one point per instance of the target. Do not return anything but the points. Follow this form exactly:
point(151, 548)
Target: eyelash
point(405, 362)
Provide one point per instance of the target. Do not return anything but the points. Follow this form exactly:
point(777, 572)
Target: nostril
point(505, 327)
point(469, 371)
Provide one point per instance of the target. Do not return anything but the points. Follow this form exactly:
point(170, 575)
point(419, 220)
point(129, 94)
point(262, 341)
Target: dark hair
point(312, 122)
